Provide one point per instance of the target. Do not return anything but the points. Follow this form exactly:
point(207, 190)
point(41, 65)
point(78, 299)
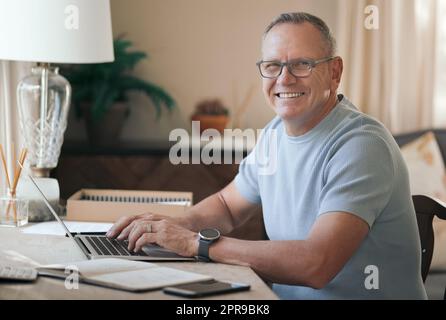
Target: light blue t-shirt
point(349, 162)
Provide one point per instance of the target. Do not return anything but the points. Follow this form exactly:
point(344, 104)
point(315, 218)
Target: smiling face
point(300, 102)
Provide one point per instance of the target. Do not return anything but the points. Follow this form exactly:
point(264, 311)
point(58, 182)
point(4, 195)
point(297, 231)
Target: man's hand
point(165, 234)
point(152, 228)
point(121, 229)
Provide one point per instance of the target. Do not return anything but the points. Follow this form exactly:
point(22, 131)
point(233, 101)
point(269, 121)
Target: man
point(337, 208)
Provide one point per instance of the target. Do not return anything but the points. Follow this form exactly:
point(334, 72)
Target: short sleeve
point(359, 177)
point(246, 180)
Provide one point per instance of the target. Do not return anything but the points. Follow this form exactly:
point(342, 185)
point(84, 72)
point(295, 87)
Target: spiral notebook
point(102, 205)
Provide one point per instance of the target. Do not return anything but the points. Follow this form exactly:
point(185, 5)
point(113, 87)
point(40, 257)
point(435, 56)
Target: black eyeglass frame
point(311, 65)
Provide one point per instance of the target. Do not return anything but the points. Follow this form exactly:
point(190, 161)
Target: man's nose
point(286, 77)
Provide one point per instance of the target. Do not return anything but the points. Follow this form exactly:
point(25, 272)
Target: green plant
point(103, 84)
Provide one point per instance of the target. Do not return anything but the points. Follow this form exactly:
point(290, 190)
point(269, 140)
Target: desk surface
point(16, 248)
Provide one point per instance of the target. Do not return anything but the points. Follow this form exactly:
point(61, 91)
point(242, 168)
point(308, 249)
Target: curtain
point(440, 74)
point(10, 75)
point(390, 72)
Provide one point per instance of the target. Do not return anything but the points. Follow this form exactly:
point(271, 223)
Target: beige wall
point(199, 49)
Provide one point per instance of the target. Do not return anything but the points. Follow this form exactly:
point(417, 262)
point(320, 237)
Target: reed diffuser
point(13, 210)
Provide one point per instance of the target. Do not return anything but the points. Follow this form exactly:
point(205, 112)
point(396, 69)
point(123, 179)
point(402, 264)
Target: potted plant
point(212, 114)
point(100, 92)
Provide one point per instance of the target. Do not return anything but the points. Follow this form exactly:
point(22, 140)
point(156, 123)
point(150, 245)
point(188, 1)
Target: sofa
point(436, 280)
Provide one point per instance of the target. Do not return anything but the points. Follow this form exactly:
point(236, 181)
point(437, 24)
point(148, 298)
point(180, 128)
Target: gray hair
point(301, 17)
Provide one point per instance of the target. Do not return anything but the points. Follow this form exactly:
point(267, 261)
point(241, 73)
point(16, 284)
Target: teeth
point(290, 95)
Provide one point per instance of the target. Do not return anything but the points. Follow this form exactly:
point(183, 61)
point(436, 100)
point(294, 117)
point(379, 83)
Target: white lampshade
point(56, 31)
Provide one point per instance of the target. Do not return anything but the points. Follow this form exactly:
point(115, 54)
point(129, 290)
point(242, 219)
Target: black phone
point(205, 288)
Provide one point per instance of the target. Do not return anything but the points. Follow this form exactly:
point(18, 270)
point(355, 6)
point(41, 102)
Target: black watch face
point(210, 234)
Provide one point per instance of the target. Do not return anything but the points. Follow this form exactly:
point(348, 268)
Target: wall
point(199, 49)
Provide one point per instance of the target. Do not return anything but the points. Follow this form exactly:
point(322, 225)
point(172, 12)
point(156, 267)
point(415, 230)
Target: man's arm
point(313, 262)
point(224, 210)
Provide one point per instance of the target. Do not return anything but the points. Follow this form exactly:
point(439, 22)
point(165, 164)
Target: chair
point(426, 208)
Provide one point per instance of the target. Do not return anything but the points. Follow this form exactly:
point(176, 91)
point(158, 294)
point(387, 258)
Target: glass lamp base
point(43, 98)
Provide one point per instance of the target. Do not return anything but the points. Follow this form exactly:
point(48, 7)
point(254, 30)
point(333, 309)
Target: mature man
point(336, 207)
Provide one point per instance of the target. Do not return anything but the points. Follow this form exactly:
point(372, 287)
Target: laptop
point(96, 245)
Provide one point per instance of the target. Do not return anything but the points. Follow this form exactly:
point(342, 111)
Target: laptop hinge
point(83, 247)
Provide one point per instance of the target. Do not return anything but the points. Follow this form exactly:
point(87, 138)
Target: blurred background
point(201, 49)
point(394, 56)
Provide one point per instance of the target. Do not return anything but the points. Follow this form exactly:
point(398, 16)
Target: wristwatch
point(206, 238)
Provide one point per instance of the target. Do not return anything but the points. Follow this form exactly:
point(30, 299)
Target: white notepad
point(123, 274)
point(54, 227)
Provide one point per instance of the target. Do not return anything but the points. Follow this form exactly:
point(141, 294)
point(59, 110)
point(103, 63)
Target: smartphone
point(205, 288)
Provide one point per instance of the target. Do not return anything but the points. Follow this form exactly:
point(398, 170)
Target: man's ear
point(337, 68)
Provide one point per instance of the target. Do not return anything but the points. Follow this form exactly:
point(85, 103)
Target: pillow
point(428, 177)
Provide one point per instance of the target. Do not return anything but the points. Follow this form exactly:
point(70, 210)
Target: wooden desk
point(45, 249)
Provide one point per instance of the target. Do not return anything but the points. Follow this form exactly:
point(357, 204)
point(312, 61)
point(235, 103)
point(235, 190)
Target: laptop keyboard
point(111, 247)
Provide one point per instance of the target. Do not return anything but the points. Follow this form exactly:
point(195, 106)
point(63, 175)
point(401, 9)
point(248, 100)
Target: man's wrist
point(206, 237)
point(194, 245)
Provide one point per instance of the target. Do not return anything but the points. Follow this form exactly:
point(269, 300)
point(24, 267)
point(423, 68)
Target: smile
point(289, 95)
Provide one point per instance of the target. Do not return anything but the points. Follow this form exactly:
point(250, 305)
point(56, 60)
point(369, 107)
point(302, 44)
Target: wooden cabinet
point(143, 167)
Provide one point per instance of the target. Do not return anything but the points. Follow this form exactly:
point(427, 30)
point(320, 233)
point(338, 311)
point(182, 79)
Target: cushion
point(428, 177)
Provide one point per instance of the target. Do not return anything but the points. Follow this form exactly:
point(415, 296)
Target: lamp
point(51, 31)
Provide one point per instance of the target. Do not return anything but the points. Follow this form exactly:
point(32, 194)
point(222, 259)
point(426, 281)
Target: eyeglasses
point(300, 68)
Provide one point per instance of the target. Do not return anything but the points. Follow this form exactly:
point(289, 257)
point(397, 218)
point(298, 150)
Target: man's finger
point(119, 225)
point(138, 230)
point(146, 238)
point(126, 232)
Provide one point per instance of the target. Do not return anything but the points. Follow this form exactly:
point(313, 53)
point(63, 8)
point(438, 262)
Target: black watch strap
point(203, 250)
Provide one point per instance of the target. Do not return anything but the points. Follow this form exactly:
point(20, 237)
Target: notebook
point(122, 274)
point(102, 205)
